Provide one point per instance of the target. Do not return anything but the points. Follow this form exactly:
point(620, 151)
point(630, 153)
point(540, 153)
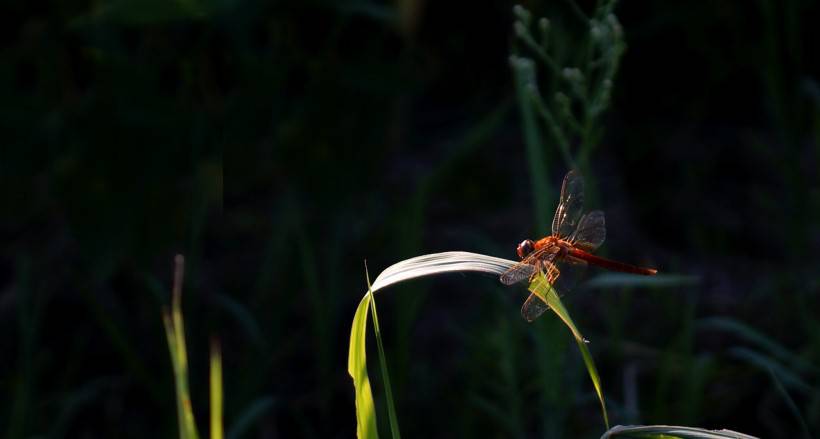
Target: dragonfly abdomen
point(610, 264)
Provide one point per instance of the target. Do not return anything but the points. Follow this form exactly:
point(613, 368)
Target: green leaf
point(175, 333)
point(357, 368)
point(544, 290)
point(671, 431)
point(391, 409)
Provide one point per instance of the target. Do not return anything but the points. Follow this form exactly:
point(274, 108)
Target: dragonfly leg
point(539, 268)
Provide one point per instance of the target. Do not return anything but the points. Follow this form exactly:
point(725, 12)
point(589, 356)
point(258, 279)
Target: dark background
point(369, 130)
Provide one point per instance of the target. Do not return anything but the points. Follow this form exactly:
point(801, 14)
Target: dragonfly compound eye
point(524, 248)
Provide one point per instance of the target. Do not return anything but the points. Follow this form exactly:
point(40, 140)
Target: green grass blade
point(671, 431)
point(391, 409)
point(182, 376)
point(185, 416)
point(172, 348)
point(357, 368)
point(175, 334)
point(544, 290)
point(217, 430)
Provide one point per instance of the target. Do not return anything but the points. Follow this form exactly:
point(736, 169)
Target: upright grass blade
point(217, 430)
point(671, 431)
point(175, 333)
point(357, 368)
point(544, 290)
point(391, 409)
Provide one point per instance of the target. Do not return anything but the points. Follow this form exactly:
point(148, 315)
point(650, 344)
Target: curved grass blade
point(420, 266)
point(671, 431)
point(439, 263)
point(544, 290)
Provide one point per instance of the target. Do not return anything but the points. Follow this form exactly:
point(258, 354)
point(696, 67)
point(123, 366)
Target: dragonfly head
point(526, 247)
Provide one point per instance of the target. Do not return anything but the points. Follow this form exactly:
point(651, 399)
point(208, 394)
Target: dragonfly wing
point(533, 307)
point(517, 273)
point(570, 206)
point(563, 274)
point(569, 272)
point(591, 231)
point(529, 265)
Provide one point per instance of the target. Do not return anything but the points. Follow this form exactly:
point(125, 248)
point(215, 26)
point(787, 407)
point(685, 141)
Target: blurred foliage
point(382, 130)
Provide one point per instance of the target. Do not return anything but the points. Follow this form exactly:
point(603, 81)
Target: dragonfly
point(563, 256)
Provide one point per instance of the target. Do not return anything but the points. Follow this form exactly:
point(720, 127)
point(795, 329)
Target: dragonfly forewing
point(530, 265)
point(570, 205)
point(517, 273)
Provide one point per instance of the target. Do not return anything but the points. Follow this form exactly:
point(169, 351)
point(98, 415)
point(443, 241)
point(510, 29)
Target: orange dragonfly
point(564, 255)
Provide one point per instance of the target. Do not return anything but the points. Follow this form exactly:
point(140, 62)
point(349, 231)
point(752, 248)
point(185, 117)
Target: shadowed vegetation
point(384, 130)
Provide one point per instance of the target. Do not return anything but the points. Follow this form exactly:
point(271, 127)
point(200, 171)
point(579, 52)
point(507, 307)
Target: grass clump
point(175, 334)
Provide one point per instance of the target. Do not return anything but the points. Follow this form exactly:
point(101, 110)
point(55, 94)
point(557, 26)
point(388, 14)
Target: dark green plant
point(564, 92)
